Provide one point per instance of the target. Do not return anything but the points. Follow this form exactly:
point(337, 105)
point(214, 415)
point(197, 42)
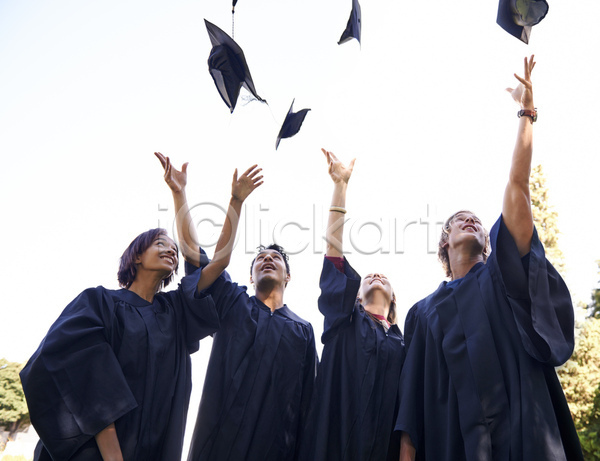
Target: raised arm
point(516, 209)
point(177, 180)
point(340, 174)
point(241, 188)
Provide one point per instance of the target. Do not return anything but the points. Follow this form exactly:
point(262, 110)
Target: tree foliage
point(590, 435)
point(580, 379)
point(580, 376)
point(14, 414)
point(545, 218)
point(594, 306)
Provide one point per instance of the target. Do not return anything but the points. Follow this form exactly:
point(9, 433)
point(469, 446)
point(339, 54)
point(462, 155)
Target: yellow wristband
point(339, 209)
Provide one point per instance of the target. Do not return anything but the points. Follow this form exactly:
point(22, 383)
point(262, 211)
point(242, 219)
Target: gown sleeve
point(74, 384)
point(223, 291)
point(203, 262)
point(198, 310)
point(412, 378)
point(338, 297)
point(538, 296)
point(311, 362)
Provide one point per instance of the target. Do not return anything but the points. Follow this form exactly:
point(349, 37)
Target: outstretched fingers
point(246, 183)
point(331, 158)
point(168, 169)
point(166, 164)
point(522, 80)
point(337, 170)
point(256, 180)
point(175, 179)
point(523, 93)
point(528, 66)
point(351, 166)
point(252, 170)
point(161, 158)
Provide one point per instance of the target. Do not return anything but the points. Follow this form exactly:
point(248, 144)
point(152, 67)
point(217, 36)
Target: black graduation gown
point(356, 396)
point(479, 380)
point(112, 356)
point(258, 383)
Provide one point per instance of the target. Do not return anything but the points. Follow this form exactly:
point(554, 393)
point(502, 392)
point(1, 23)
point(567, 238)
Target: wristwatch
point(532, 114)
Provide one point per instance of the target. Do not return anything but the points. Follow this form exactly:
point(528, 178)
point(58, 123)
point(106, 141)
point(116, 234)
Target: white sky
point(89, 90)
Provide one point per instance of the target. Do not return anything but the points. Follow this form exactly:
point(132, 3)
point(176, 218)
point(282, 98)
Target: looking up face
point(160, 256)
point(269, 266)
point(466, 228)
point(375, 282)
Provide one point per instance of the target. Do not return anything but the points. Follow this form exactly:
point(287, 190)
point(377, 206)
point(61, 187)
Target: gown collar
point(134, 299)
point(283, 310)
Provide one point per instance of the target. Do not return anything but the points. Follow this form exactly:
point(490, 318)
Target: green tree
point(580, 376)
point(594, 306)
point(545, 218)
point(580, 379)
point(590, 435)
point(14, 414)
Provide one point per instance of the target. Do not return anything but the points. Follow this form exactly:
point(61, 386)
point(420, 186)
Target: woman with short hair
point(112, 378)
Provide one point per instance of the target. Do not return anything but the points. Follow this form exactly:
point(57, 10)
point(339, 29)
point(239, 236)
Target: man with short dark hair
point(263, 362)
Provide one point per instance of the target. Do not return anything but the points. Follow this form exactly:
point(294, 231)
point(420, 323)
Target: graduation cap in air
point(228, 67)
point(291, 124)
point(353, 27)
point(517, 17)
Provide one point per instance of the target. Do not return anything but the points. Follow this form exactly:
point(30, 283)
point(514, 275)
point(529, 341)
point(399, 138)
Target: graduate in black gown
point(112, 380)
point(479, 382)
point(263, 362)
point(355, 403)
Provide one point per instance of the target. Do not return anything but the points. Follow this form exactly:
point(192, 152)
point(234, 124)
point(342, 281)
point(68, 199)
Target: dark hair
point(127, 266)
point(278, 249)
point(442, 250)
point(392, 312)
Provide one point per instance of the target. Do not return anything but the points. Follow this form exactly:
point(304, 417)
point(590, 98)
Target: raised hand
point(243, 186)
point(337, 170)
point(523, 93)
point(516, 207)
point(176, 180)
point(340, 174)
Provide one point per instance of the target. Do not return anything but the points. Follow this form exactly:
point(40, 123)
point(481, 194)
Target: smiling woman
point(164, 248)
point(355, 401)
point(111, 379)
